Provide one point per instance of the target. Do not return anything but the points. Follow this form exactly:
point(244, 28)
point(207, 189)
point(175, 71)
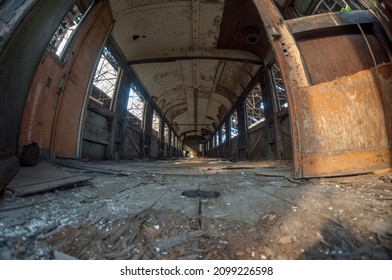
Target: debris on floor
point(196, 209)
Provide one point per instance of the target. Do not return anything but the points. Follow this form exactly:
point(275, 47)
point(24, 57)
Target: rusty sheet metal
point(72, 103)
point(45, 96)
point(346, 53)
point(345, 125)
point(42, 102)
point(292, 66)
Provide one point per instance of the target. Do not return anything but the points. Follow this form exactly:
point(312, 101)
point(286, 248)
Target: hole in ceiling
point(252, 39)
point(251, 34)
point(199, 193)
point(135, 37)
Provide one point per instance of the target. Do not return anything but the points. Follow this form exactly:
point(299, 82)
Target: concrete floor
point(136, 210)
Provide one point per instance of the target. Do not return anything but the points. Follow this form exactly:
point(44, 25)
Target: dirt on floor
point(199, 209)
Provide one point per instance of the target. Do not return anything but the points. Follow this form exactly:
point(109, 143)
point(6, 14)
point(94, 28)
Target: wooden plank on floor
point(42, 172)
point(47, 186)
point(285, 173)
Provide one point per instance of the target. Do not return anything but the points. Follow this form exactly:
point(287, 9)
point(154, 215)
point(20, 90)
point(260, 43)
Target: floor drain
point(198, 193)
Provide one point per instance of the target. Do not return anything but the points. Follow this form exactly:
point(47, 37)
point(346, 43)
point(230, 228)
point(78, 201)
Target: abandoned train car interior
point(195, 129)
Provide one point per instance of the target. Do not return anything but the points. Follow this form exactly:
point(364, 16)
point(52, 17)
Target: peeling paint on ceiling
point(172, 46)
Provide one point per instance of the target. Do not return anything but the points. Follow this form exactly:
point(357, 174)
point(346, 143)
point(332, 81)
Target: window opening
point(279, 86)
point(330, 6)
point(65, 31)
point(223, 133)
point(234, 125)
point(105, 79)
point(156, 121)
point(255, 107)
point(166, 133)
point(135, 107)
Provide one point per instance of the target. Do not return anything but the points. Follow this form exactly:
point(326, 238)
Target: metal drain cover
point(199, 193)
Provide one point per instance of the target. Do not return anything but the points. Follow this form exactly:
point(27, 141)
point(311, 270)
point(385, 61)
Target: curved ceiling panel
point(176, 51)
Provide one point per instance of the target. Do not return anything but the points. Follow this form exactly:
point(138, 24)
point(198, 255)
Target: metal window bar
point(65, 31)
point(234, 124)
point(330, 6)
point(224, 133)
point(255, 107)
point(166, 133)
point(105, 78)
point(156, 121)
point(279, 86)
point(135, 107)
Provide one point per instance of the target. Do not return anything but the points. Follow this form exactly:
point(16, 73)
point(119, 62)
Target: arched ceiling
point(192, 56)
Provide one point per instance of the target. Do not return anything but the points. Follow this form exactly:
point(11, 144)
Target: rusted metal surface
point(42, 103)
point(338, 54)
point(346, 124)
point(242, 28)
point(56, 98)
point(291, 64)
point(70, 112)
point(330, 20)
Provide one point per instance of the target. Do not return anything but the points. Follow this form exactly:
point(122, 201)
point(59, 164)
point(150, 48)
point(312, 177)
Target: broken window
point(234, 125)
point(330, 6)
point(279, 88)
point(135, 107)
point(304, 8)
point(255, 107)
point(105, 79)
point(60, 40)
point(156, 122)
point(166, 133)
point(216, 138)
point(223, 131)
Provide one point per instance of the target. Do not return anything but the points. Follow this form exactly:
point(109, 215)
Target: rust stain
point(345, 125)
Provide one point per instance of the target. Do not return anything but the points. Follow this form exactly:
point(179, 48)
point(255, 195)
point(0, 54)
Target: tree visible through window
point(105, 79)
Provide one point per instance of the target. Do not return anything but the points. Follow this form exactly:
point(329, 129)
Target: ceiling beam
point(201, 53)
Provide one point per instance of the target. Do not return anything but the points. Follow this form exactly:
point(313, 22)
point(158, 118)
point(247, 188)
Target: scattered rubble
point(145, 215)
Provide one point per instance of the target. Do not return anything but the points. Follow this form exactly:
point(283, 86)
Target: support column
point(170, 151)
point(161, 147)
point(287, 55)
point(147, 130)
point(242, 130)
point(115, 148)
point(228, 137)
point(219, 153)
point(273, 129)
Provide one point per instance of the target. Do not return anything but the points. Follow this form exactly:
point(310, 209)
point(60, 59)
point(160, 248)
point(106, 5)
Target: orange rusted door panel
point(72, 104)
point(343, 125)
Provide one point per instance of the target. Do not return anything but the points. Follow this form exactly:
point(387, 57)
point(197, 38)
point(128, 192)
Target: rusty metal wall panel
point(345, 125)
point(41, 104)
point(72, 103)
point(339, 55)
point(47, 91)
point(384, 83)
